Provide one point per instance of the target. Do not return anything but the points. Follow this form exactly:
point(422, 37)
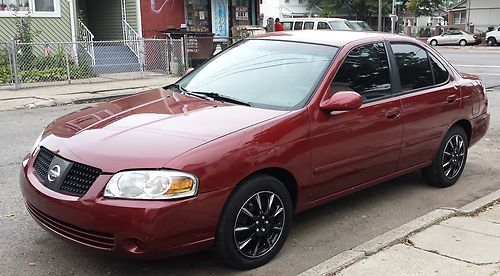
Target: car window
point(308, 25)
point(298, 25)
point(323, 26)
point(340, 25)
point(441, 75)
point(365, 70)
point(413, 65)
point(287, 26)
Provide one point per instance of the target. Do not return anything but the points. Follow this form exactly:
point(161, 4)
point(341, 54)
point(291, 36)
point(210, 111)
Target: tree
point(424, 7)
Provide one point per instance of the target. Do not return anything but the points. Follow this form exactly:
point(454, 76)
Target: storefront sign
point(241, 13)
point(220, 18)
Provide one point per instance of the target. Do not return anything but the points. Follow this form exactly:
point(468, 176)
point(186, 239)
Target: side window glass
point(287, 26)
point(308, 25)
point(323, 26)
point(441, 75)
point(298, 25)
point(365, 70)
point(413, 65)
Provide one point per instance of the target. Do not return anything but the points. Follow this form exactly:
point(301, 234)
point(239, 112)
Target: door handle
point(392, 114)
point(452, 99)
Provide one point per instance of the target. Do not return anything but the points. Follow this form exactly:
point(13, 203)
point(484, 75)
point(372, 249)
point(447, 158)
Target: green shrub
point(49, 74)
point(4, 74)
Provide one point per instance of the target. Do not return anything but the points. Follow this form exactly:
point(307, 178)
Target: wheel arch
point(466, 125)
point(284, 176)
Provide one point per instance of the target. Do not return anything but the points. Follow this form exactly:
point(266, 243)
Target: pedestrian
point(278, 27)
point(270, 25)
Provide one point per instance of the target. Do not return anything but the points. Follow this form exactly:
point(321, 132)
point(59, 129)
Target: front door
point(350, 148)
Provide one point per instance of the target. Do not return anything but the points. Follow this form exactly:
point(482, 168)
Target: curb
point(398, 235)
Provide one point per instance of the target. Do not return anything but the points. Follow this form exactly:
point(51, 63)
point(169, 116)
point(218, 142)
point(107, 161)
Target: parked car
point(359, 25)
point(272, 126)
point(493, 37)
point(294, 24)
point(454, 37)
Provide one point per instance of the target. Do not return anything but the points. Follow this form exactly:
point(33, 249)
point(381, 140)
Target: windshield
point(264, 73)
point(341, 25)
point(360, 26)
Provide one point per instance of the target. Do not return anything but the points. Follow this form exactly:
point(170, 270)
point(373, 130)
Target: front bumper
point(150, 229)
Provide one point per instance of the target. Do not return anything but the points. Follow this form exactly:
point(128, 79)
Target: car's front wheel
point(434, 42)
point(449, 162)
point(462, 42)
point(255, 223)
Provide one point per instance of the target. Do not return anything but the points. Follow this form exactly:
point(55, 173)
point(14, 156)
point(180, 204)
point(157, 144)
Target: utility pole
point(379, 15)
point(393, 16)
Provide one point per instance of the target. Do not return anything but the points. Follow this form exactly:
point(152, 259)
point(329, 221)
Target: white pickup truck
point(493, 37)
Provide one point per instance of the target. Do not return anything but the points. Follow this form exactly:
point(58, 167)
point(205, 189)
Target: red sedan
point(270, 127)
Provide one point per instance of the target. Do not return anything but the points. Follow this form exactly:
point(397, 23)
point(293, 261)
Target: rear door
point(430, 102)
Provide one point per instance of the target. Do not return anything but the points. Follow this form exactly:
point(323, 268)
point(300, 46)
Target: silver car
point(454, 37)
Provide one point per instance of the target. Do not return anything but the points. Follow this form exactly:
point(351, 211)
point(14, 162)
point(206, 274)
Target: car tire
point(449, 163)
point(434, 42)
point(462, 42)
point(491, 41)
point(255, 223)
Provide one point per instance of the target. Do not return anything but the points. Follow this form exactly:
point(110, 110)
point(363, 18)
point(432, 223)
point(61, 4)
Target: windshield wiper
point(211, 96)
point(219, 97)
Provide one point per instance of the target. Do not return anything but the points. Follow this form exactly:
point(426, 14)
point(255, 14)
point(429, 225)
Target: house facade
point(286, 9)
point(482, 14)
point(69, 20)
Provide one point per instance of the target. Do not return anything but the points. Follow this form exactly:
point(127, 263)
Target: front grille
point(77, 181)
point(94, 239)
point(42, 163)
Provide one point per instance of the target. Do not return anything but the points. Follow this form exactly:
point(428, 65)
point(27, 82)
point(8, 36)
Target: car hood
point(146, 130)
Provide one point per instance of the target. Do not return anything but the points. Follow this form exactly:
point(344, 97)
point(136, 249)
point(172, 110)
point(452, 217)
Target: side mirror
point(342, 101)
point(189, 70)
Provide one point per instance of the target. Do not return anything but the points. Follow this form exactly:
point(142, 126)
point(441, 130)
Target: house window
point(301, 1)
point(34, 8)
point(287, 1)
point(459, 17)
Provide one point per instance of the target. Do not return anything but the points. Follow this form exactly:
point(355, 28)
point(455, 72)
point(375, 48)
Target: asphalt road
point(318, 234)
point(480, 60)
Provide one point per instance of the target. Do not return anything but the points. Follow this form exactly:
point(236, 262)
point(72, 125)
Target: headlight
point(149, 184)
point(37, 141)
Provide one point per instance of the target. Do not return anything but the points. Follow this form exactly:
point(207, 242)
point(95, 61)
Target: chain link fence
point(45, 64)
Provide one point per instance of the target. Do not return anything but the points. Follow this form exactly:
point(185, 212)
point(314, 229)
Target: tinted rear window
point(413, 65)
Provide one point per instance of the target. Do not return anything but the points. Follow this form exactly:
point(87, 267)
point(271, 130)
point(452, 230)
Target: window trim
point(398, 92)
point(33, 13)
point(389, 63)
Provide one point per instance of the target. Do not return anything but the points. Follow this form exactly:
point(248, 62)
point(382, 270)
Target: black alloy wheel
point(255, 223)
point(449, 163)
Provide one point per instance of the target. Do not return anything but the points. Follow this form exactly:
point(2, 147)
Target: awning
point(298, 10)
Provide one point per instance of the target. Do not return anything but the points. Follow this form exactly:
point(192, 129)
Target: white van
point(316, 24)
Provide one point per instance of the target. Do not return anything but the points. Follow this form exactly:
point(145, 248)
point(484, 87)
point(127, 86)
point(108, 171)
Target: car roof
point(330, 37)
point(314, 19)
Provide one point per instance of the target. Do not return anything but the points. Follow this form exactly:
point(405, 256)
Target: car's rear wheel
point(434, 42)
point(449, 162)
point(491, 41)
point(462, 42)
point(255, 223)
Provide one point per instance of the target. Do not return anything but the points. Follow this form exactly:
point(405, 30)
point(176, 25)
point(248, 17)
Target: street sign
point(398, 3)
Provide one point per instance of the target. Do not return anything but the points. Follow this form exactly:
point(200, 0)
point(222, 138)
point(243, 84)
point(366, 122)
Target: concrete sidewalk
point(463, 241)
point(75, 93)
